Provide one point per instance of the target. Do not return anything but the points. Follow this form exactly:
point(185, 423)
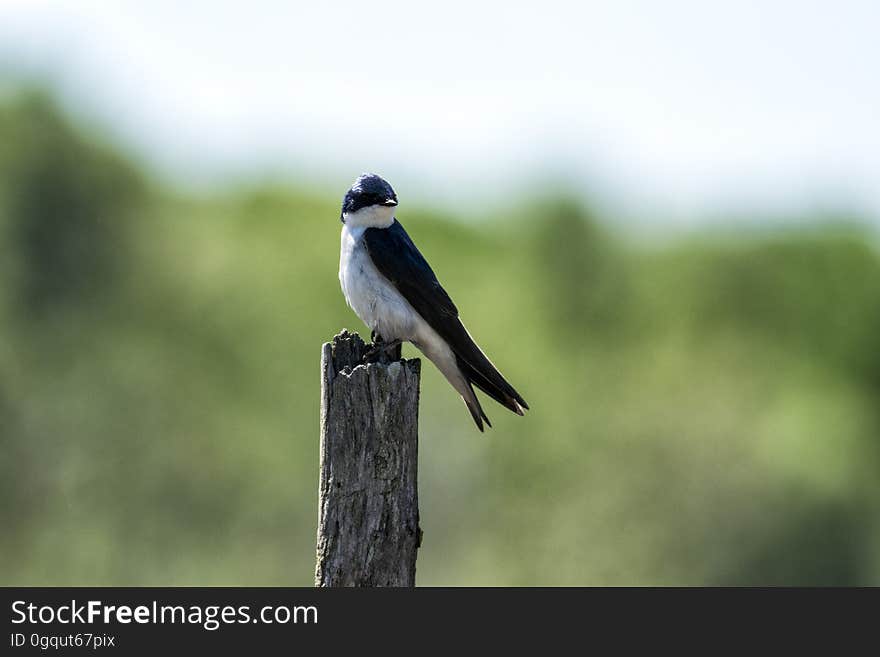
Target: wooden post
point(368, 506)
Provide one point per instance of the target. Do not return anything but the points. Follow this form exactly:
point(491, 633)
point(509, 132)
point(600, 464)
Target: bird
point(391, 287)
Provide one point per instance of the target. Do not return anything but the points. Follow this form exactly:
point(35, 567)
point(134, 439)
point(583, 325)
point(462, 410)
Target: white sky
point(671, 110)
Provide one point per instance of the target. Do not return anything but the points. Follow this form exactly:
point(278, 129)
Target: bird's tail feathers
point(476, 410)
point(503, 394)
point(465, 366)
point(478, 370)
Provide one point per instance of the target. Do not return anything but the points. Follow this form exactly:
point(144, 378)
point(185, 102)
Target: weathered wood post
point(368, 505)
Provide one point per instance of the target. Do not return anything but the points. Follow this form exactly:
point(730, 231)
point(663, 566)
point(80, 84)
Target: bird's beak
point(390, 203)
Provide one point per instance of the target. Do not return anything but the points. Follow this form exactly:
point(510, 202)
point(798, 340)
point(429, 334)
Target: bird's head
point(370, 202)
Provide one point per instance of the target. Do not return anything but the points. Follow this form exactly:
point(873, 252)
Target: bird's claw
point(379, 348)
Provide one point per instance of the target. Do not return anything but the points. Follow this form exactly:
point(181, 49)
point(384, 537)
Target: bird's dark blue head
point(367, 191)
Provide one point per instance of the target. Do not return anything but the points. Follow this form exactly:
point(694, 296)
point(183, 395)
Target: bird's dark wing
point(398, 259)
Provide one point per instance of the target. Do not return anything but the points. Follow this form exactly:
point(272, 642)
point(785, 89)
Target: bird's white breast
point(381, 307)
point(372, 297)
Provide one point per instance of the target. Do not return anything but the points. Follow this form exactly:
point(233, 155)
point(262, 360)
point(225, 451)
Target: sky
point(670, 112)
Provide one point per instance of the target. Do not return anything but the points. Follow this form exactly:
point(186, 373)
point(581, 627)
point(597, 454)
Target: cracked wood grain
point(368, 510)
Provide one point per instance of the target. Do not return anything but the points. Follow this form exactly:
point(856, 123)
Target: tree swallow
point(394, 291)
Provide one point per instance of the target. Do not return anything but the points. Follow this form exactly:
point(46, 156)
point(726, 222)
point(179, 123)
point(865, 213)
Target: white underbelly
point(372, 297)
point(384, 310)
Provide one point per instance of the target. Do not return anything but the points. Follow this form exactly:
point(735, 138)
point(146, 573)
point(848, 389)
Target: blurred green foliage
point(704, 412)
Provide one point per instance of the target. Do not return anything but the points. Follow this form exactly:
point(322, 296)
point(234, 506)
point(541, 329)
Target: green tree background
point(705, 411)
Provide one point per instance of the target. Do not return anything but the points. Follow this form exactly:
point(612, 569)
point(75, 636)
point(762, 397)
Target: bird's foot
point(381, 350)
